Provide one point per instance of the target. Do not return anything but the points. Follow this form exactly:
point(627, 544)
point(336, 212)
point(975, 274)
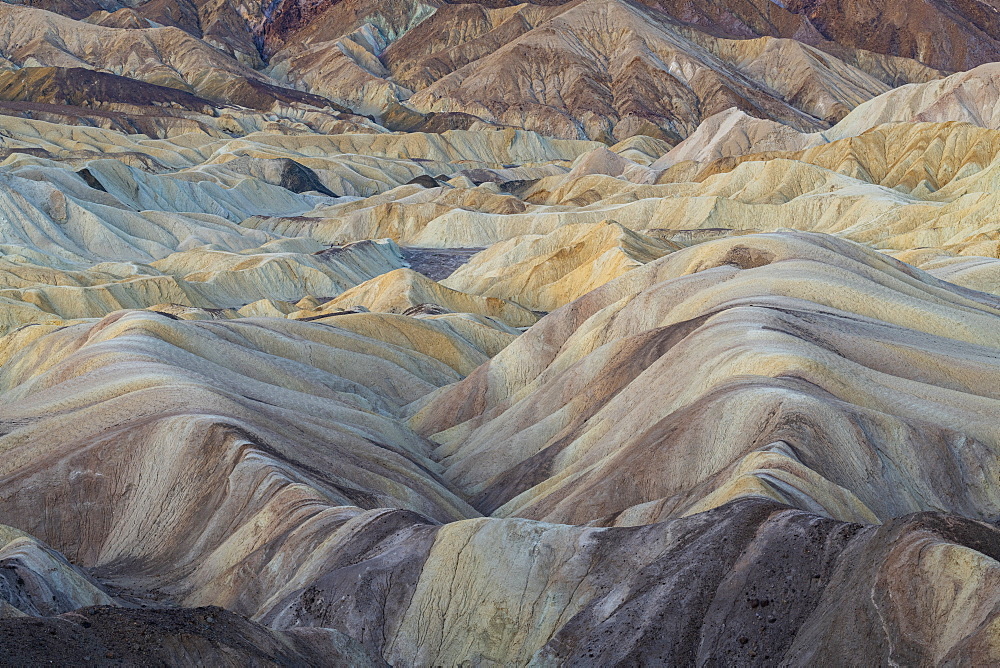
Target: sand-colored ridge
point(485, 332)
point(403, 289)
point(452, 567)
point(546, 272)
point(775, 354)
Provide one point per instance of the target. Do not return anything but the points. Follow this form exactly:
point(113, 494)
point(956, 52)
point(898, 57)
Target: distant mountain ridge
point(659, 67)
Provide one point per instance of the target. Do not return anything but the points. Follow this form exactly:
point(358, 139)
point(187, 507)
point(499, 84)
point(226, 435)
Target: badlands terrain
point(486, 333)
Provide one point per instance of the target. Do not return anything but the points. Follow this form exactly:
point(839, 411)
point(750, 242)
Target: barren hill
point(495, 333)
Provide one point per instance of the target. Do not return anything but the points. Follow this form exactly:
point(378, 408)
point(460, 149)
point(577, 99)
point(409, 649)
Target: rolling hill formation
point(497, 333)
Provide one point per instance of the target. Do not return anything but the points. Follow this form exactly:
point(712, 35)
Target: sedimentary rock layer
point(822, 374)
point(594, 332)
point(334, 497)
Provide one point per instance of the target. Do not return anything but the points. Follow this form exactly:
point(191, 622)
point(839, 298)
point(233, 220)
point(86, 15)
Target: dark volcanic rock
point(426, 309)
point(91, 180)
point(424, 181)
point(283, 172)
point(79, 86)
point(109, 636)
